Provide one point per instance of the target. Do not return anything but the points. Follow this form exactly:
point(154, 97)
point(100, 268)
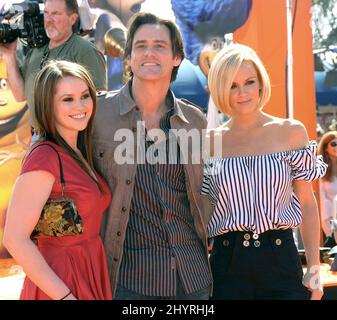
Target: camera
point(25, 21)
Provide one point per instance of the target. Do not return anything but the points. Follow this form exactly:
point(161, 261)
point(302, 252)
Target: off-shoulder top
point(255, 193)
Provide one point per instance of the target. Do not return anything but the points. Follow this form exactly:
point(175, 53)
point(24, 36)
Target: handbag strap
point(63, 182)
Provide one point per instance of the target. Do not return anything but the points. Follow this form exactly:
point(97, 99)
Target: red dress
point(78, 260)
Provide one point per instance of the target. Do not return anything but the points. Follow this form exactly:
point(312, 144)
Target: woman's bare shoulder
point(292, 131)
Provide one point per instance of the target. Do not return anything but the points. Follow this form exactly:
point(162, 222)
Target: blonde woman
point(259, 184)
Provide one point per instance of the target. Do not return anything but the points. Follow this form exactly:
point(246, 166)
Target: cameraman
point(60, 16)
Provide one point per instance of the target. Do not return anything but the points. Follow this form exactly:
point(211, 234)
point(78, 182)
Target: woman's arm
point(310, 232)
point(297, 137)
point(31, 191)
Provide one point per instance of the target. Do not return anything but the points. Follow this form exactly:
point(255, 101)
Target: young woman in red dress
point(60, 267)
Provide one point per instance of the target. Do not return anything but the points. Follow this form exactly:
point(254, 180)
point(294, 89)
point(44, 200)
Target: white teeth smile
point(79, 116)
point(149, 64)
point(6, 120)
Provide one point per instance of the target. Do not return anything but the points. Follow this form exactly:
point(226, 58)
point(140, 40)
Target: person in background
point(328, 184)
point(60, 17)
point(155, 231)
point(258, 182)
point(65, 267)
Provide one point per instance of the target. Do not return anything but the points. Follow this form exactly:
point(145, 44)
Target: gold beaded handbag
point(59, 217)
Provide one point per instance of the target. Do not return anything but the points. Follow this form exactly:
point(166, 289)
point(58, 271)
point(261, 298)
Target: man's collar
point(61, 44)
point(127, 102)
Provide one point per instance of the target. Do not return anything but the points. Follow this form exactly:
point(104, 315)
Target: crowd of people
point(150, 192)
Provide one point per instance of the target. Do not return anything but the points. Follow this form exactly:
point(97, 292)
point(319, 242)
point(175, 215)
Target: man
point(59, 18)
point(155, 229)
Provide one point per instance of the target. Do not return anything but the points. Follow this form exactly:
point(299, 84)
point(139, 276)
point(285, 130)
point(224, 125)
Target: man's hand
point(8, 49)
point(14, 77)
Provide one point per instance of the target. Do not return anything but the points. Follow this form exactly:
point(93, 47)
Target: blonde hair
point(224, 69)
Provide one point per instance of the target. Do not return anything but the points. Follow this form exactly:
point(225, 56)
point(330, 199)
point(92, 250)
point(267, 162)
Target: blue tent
point(326, 88)
point(190, 84)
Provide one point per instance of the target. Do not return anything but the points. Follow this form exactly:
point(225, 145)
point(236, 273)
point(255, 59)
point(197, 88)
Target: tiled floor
point(11, 279)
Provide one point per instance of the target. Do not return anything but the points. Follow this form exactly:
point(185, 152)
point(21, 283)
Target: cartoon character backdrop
point(14, 138)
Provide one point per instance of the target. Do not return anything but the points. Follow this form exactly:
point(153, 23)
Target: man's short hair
point(142, 18)
point(71, 6)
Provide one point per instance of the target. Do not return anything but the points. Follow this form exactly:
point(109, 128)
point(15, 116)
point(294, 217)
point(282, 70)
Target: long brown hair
point(42, 110)
point(325, 140)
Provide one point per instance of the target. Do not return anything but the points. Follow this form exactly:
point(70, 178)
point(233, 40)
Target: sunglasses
point(333, 144)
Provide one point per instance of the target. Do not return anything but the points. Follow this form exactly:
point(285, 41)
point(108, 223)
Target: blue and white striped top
point(255, 193)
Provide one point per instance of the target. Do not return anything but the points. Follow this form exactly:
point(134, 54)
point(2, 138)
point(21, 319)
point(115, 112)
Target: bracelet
point(68, 294)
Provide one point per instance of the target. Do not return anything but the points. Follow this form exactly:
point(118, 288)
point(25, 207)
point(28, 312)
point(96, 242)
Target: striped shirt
point(161, 243)
point(255, 193)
